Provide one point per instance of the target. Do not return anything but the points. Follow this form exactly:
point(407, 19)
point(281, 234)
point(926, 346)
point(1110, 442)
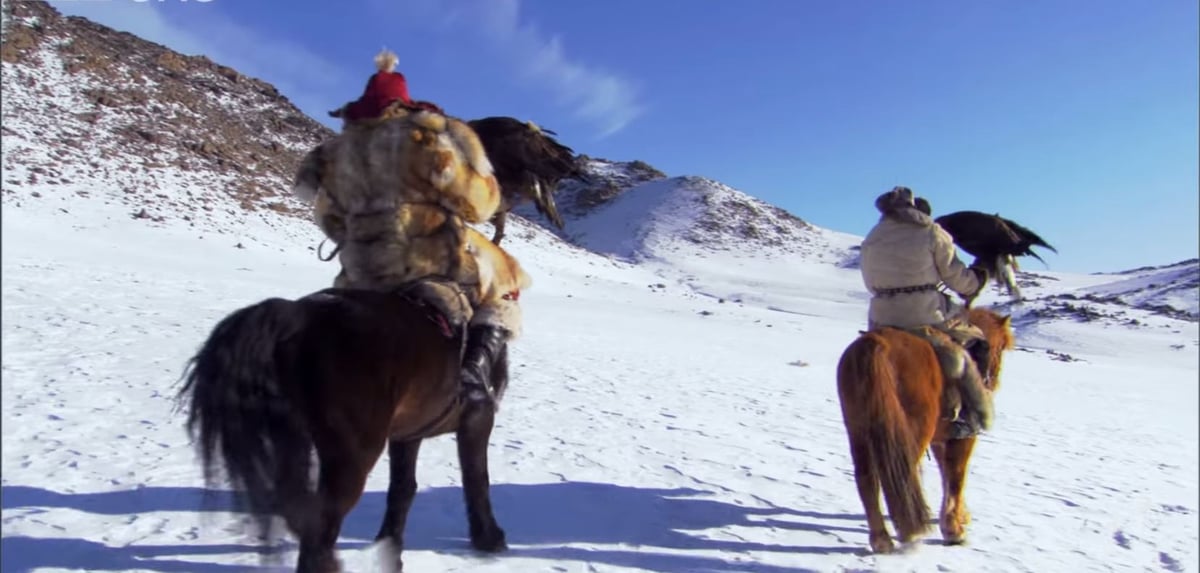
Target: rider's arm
point(961, 279)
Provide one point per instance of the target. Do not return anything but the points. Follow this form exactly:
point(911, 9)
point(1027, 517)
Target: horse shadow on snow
point(541, 519)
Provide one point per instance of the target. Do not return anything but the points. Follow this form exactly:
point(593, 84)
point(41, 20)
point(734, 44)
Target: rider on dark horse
point(396, 191)
point(906, 257)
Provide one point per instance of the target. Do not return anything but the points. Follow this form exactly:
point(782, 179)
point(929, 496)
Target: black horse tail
point(240, 410)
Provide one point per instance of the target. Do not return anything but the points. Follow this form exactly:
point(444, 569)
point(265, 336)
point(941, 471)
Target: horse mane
point(998, 330)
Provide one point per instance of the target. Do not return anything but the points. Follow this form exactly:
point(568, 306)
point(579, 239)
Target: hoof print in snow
point(1061, 356)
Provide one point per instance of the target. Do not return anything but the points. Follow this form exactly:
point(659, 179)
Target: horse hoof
point(388, 556)
point(882, 545)
point(326, 565)
point(954, 537)
point(490, 542)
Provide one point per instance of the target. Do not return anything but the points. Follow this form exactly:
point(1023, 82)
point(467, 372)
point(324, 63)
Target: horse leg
point(295, 504)
point(868, 492)
point(939, 454)
point(341, 482)
point(498, 222)
point(474, 431)
point(402, 488)
point(952, 458)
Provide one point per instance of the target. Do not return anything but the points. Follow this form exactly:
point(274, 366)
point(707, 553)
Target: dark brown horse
point(890, 386)
point(345, 373)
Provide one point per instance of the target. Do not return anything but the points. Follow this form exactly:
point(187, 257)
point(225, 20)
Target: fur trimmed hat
point(897, 198)
point(923, 205)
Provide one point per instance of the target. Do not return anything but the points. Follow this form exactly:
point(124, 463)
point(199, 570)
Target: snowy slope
point(682, 214)
point(717, 242)
point(647, 429)
point(1170, 286)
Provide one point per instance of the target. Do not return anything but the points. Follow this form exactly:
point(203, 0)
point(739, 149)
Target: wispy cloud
point(606, 99)
point(311, 82)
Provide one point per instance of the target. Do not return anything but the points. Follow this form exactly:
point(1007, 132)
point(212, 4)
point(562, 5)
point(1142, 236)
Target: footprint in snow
point(1169, 563)
point(1121, 539)
point(1175, 509)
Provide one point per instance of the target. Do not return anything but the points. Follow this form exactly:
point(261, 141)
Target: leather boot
point(980, 352)
point(484, 343)
point(976, 403)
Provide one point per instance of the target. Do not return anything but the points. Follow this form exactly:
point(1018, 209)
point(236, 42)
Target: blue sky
point(1077, 118)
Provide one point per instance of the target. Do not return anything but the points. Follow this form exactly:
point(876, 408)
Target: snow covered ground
point(675, 415)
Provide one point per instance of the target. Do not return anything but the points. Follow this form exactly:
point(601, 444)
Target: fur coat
point(908, 249)
point(397, 195)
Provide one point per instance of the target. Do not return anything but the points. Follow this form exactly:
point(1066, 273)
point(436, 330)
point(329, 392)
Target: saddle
point(968, 385)
point(955, 361)
point(445, 302)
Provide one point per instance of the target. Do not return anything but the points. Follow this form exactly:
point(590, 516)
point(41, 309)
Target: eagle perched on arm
point(528, 164)
point(995, 242)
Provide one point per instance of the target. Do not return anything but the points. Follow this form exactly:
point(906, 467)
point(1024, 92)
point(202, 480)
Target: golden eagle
point(528, 164)
point(995, 242)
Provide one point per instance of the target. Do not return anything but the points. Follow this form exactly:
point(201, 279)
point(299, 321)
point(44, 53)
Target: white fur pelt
point(306, 184)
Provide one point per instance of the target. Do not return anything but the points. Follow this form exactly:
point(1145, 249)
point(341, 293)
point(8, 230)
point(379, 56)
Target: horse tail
point(240, 411)
point(879, 430)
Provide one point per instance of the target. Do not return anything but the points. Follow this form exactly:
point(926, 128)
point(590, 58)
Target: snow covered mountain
point(633, 211)
point(92, 114)
point(1168, 289)
point(672, 406)
point(668, 215)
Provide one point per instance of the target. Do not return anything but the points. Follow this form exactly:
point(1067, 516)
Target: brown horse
point(890, 386)
point(345, 373)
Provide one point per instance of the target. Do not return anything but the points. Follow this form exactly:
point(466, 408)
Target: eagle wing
point(994, 241)
point(987, 236)
point(528, 162)
point(1028, 239)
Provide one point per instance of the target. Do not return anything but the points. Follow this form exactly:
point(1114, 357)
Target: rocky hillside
point(632, 210)
point(1168, 290)
point(93, 113)
point(1162, 299)
point(606, 181)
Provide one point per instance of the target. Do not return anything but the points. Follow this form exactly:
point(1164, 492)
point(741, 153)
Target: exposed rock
point(104, 101)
